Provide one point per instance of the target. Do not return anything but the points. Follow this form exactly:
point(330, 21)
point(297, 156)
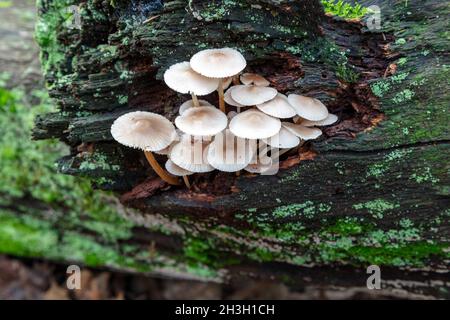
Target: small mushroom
point(302, 132)
point(278, 107)
point(252, 95)
point(149, 132)
point(331, 119)
point(283, 140)
point(229, 153)
point(183, 79)
point(190, 104)
point(219, 63)
point(261, 163)
point(308, 108)
point(253, 124)
point(172, 168)
point(202, 121)
point(229, 100)
point(190, 154)
point(253, 78)
point(231, 114)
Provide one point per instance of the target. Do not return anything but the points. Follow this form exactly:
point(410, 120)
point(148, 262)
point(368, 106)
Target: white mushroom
point(219, 63)
point(229, 100)
point(190, 154)
point(229, 153)
point(308, 108)
point(190, 104)
point(331, 119)
point(202, 121)
point(143, 130)
point(149, 132)
point(252, 95)
point(253, 78)
point(283, 139)
point(253, 124)
point(260, 164)
point(182, 78)
point(278, 107)
point(305, 133)
point(172, 168)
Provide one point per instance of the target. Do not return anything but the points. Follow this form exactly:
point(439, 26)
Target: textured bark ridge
point(373, 190)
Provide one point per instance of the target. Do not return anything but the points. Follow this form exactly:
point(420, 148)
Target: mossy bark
point(373, 190)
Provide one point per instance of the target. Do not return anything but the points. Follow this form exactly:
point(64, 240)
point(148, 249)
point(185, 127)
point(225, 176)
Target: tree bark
point(373, 190)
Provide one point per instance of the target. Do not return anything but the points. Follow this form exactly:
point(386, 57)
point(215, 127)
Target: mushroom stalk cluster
point(208, 139)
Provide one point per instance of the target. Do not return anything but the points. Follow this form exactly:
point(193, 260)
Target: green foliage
point(344, 10)
point(28, 172)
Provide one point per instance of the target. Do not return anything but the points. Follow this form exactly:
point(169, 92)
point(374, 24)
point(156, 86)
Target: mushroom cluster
point(205, 138)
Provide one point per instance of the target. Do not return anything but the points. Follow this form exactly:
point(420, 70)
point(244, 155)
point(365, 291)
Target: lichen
point(377, 208)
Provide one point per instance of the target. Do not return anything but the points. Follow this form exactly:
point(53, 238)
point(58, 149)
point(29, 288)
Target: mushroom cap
point(283, 140)
point(308, 108)
point(260, 164)
point(232, 114)
point(229, 153)
point(252, 95)
point(331, 119)
point(190, 154)
point(278, 107)
point(163, 152)
point(256, 79)
point(218, 63)
point(253, 124)
point(190, 104)
point(202, 121)
point(172, 168)
point(182, 78)
point(302, 132)
point(229, 100)
point(143, 130)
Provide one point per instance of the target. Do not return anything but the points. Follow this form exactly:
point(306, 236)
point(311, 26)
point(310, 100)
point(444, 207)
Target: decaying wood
point(373, 190)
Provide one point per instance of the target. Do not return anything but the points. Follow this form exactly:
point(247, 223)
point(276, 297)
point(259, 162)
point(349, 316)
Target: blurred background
point(30, 182)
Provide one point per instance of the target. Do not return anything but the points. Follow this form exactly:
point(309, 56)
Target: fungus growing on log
point(149, 132)
point(329, 199)
point(219, 63)
point(255, 79)
point(207, 143)
point(182, 78)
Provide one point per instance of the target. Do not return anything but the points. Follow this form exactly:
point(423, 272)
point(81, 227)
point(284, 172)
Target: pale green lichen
point(377, 208)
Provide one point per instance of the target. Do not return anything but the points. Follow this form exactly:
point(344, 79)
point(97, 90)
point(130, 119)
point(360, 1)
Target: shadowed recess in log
point(118, 70)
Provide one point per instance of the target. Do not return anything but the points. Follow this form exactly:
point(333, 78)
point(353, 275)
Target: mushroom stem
point(221, 97)
point(236, 80)
point(298, 120)
point(186, 182)
point(195, 100)
point(163, 174)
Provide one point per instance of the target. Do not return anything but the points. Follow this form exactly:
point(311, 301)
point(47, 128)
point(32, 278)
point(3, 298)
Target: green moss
point(344, 10)
point(31, 237)
point(346, 227)
point(411, 254)
point(48, 25)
